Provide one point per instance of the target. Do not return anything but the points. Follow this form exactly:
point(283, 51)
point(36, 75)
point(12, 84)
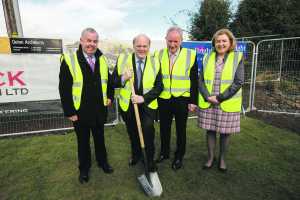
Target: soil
point(285, 121)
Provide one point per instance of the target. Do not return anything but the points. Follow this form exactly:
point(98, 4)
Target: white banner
point(29, 77)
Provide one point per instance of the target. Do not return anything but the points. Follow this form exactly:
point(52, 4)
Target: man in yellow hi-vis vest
point(86, 90)
point(145, 70)
point(179, 72)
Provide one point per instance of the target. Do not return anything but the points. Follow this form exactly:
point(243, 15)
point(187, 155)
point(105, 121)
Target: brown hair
point(229, 35)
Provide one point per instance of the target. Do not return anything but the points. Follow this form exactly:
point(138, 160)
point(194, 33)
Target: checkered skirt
point(215, 118)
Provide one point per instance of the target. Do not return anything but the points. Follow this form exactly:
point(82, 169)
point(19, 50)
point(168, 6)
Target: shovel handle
point(137, 117)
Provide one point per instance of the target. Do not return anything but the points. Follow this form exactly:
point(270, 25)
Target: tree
point(256, 17)
point(211, 16)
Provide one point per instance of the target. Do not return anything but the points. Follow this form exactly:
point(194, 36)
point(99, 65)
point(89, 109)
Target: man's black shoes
point(161, 158)
point(133, 161)
point(107, 168)
point(83, 177)
point(152, 166)
point(177, 164)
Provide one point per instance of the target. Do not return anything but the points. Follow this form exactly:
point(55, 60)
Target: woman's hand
point(213, 100)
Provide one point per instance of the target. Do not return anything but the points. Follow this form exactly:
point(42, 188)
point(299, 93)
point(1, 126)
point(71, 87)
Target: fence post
point(281, 58)
point(252, 75)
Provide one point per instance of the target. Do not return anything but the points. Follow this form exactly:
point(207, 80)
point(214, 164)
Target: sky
point(112, 19)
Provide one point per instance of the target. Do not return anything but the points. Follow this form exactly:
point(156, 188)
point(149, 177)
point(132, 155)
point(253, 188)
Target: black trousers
point(147, 122)
point(169, 108)
point(83, 144)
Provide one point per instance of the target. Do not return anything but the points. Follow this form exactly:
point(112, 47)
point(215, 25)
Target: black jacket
point(92, 110)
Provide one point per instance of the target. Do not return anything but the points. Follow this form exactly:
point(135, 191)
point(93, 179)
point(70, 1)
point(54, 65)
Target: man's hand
point(192, 107)
point(108, 102)
point(73, 118)
point(213, 100)
point(137, 99)
point(127, 74)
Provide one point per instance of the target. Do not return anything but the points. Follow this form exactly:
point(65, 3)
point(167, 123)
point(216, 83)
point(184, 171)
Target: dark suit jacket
point(92, 110)
point(149, 96)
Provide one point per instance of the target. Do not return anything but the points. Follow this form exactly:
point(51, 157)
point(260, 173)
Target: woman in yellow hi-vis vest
point(220, 97)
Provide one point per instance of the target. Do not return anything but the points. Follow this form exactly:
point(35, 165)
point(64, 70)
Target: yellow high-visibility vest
point(74, 67)
point(176, 83)
point(151, 70)
point(209, 65)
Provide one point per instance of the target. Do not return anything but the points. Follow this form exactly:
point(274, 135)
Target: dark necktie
point(139, 72)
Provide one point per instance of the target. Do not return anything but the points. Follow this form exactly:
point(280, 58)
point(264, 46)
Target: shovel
point(149, 180)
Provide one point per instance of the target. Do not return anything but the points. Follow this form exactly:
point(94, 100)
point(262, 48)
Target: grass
point(263, 163)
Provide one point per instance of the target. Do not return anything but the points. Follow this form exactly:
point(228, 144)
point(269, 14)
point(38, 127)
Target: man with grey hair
point(180, 75)
point(85, 87)
point(144, 69)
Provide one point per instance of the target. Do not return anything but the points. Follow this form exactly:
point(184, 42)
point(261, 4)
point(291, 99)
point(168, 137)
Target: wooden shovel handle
point(137, 117)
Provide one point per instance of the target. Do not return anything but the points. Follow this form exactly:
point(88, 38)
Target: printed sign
point(36, 45)
point(203, 47)
point(28, 77)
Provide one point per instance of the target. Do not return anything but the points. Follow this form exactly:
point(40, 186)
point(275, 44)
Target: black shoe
point(161, 158)
point(107, 168)
point(177, 164)
point(83, 177)
point(133, 161)
point(152, 166)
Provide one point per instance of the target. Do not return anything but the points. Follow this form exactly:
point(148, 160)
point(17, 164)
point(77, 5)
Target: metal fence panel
point(43, 116)
point(277, 76)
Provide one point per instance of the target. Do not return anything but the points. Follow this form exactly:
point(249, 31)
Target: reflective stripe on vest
point(177, 84)
point(227, 77)
point(151, 70)
point(75, 70)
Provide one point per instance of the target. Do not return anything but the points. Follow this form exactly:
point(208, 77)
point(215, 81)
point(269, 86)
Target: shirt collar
point(86, 56)
point(175, 54)
point(136, 59)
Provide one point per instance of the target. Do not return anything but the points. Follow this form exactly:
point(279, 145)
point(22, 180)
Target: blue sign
point(204, 47)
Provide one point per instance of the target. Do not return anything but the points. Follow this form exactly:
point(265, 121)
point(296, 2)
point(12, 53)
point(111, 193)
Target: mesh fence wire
point(38, 116)
point(277, 83)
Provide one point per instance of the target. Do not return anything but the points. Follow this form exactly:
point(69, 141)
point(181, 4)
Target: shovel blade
point(151, 187)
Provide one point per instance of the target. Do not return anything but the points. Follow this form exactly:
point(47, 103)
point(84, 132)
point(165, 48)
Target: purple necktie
point(91, 63)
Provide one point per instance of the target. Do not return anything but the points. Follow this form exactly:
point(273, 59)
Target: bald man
point(145, 70)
